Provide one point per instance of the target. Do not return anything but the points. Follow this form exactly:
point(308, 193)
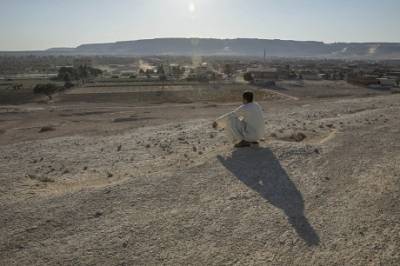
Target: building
point(174, 71)
point(264, 74)
point(310, 75)
point(82, 62)
point(389, 82)
point(365, 80)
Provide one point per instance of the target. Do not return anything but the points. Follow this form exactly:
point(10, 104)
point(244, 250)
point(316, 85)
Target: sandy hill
point(165, 188)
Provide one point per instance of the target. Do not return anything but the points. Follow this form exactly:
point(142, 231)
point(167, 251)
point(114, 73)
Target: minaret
point(265, 55)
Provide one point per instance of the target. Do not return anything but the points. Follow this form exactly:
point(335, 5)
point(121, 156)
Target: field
point(116, 174)
point(10, 96)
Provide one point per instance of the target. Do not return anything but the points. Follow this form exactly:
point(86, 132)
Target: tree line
point(68, 75)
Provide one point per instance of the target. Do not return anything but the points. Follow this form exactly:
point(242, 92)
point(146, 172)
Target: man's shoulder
point(254, 105)
point(258, 107)
point(250, 106)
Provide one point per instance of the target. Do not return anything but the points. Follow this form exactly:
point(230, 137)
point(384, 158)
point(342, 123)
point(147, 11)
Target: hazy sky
point(40, 24)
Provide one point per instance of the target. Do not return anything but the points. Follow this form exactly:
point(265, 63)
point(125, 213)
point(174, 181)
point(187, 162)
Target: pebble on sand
point(46, 129)
point(98, 214)
point(299, 136)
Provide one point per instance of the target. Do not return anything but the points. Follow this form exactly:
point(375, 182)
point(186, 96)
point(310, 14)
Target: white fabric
point(244, 123)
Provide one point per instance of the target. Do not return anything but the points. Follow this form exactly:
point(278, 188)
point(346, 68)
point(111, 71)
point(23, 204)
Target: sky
point(42, 24)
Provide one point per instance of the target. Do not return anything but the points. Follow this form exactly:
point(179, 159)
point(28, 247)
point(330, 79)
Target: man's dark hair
point(248, 96)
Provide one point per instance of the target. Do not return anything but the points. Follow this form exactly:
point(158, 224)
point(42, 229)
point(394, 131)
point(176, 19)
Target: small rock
point(148, 146)
point(46, 129)
point(98, 214)
point(119, 147)
point(85, 168)
point(50, 170)
point(194, 149)
point(298, 136)
point(109, 175)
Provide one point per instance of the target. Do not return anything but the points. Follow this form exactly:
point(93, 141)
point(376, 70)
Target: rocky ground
point(91, 184)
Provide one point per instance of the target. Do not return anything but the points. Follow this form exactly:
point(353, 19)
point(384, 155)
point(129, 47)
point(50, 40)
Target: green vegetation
point(248, 77)
point(161, 73)
point(228, 70)
point(83, 73)
point(47, 89)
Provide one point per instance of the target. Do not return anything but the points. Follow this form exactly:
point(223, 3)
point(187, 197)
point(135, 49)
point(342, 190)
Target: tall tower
point(265, 55)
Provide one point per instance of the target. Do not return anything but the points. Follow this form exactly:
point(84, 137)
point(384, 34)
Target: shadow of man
point(261, 171)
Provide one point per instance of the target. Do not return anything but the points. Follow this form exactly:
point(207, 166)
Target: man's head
point(248, 97)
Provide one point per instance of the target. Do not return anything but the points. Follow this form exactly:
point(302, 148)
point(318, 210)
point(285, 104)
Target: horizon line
point(206, 38)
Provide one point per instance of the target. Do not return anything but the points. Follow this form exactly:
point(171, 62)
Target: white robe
point(244, 123)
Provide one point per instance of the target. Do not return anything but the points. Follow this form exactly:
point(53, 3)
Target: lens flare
point(192, 7)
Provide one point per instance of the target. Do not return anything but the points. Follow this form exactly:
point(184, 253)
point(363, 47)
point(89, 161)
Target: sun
point(192, 7)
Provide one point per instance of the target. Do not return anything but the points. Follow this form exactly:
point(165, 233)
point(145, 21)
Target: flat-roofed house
point(83, 62)
point(390, 82)
point(269, 74)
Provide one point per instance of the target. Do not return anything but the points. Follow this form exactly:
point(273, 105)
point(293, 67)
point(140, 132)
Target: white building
point(387, 82)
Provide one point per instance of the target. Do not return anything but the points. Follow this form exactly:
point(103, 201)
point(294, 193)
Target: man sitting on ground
point(245, 125)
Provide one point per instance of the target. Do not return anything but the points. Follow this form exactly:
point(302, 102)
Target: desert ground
point(137, 176)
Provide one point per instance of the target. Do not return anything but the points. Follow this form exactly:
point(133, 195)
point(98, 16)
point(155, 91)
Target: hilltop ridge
point(231, 47)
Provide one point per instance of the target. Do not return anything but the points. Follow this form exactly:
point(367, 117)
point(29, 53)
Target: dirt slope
point(177, 193)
